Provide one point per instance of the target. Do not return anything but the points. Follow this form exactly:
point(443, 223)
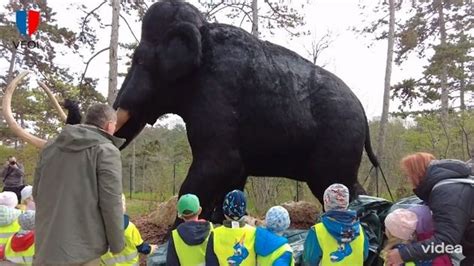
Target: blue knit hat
point(277, 219)
point(235, 205)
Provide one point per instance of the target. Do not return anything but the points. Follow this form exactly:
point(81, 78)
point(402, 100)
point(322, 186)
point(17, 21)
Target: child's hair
point(393, 241)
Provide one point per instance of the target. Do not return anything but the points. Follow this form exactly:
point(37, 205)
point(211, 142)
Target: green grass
point(137, 208)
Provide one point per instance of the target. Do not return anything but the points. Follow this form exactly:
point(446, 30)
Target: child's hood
point(194, 232)
point(8, 215)
point(267, 242)
point(344, 226)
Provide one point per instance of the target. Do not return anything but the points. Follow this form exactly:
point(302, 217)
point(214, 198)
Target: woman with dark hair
point(13, 177)
point(444, 185)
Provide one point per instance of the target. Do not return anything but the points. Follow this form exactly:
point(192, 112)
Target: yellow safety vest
point(190, 255)
point(129, 255)
point(329, 244)
point(23, 257)
point(7, 231)
point(226, 238)
point(271, 258)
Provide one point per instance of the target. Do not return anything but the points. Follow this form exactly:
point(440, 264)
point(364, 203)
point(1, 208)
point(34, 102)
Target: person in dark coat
point(445, 186)
point(13, 176)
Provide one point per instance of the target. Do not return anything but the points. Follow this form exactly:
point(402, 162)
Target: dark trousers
point(16, 190)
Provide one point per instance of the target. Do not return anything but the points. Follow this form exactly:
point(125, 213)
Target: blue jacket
point(267, 242)
point(335, 222)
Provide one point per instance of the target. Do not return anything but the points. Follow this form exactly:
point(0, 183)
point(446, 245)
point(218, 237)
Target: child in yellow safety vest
point(20, 247)
point(8, 226)
point(233, 242)
point(134, 245)
point(8, 218)
point(188, 242)
point(273, 249)
point(338, 239)
point(400, 228)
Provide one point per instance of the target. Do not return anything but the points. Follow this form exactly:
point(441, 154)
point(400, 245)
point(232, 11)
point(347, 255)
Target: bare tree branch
point(210, 12)
point(87, 64)
point(128, 25)
point(319, 45)
point(84, 21)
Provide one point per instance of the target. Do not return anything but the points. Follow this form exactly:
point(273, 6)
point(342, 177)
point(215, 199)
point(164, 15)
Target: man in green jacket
point(77, 189)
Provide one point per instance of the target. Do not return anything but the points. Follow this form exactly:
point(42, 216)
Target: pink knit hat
point(401, 223)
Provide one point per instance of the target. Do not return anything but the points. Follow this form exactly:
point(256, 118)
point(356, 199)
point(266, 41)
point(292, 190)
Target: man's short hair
point(99, 114)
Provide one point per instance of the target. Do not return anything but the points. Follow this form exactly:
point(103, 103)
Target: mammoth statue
point(250, 107)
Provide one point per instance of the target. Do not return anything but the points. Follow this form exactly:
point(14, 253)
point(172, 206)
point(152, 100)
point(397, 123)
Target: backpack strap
point(469, 180)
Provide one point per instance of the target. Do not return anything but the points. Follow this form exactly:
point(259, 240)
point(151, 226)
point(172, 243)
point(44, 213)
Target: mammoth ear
point(180, 52)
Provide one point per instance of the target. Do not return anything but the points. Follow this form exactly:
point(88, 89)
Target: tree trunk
point(386, 94)
point(113, 72)
point(462, 88)
point(444, 67)
point(255, 18)
point(133, 167)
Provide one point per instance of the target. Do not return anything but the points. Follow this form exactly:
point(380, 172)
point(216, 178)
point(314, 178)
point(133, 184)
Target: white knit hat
point(26, 192)
point(9, 199)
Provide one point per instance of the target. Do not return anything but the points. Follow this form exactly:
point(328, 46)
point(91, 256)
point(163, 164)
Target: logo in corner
point(27, 22)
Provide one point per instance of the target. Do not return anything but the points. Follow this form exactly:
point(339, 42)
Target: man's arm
point(109, 179)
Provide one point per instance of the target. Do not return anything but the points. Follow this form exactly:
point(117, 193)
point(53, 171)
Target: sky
point(349, 56)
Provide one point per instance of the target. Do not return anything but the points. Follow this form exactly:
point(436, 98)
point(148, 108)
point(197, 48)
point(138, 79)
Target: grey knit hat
point(27, 220)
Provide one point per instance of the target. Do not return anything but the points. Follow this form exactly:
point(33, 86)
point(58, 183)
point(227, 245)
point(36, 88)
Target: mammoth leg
point(332, 168)
point(211, 177)
point(358, 189)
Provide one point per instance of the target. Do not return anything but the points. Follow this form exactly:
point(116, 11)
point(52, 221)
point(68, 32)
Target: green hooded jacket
point(77, 190)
